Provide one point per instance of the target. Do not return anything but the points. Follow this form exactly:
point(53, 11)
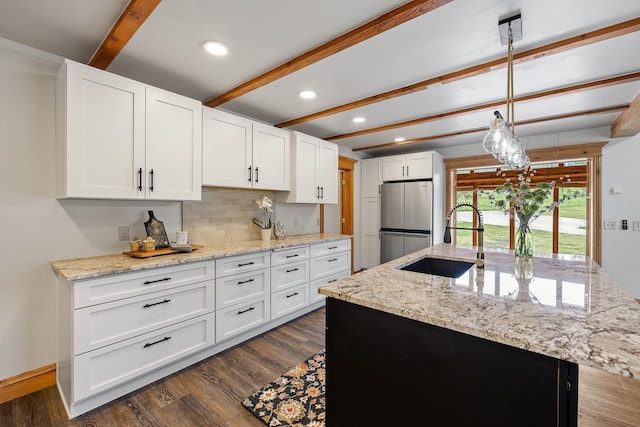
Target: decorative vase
point(524, 241)
point(266, 234)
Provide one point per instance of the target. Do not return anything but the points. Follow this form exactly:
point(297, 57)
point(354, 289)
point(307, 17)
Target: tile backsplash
point(225, 215)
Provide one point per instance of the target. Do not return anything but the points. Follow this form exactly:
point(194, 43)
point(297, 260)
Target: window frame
point(592, 153)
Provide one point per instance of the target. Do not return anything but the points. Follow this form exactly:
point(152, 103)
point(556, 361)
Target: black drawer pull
point(332, 248)
point(149, 344)
point(332, 280)
point(292, 295)
point(292, 270)
point(246, 263)
point(156, 303)
point(140, 179)
point(248, 309)
point(242, 282)
point(148, 282)
point(333, 259)
point(292, 256)
point(151, 175)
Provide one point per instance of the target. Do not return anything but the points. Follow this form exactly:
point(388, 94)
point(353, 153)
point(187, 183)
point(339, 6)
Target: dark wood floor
point(209, 393)
point(206, 394)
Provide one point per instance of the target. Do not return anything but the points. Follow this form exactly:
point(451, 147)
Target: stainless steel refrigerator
point(405, 218)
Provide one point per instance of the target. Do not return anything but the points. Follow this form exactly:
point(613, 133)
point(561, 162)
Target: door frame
point(347, 166)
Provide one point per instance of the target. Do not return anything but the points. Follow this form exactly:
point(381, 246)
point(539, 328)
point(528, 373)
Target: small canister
point(134, 245)
point(149, 244)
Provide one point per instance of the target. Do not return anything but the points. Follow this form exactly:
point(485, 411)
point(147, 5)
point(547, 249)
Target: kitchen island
point(499, 346)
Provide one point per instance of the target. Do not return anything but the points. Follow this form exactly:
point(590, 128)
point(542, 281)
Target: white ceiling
point(166, 52)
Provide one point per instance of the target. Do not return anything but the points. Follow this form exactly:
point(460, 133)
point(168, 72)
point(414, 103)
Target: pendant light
point(501, 140)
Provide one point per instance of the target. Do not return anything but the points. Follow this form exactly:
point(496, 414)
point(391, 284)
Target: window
point(566, 229)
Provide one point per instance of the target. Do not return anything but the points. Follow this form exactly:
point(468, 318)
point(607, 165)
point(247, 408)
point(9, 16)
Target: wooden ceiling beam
point(485, 128)
point(379, 25)
point(628, 122)
point(559, 91)
point(134, 15)
point(602, 34)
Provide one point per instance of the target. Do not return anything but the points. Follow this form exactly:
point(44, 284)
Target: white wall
point(37, 228)
point(620, 248)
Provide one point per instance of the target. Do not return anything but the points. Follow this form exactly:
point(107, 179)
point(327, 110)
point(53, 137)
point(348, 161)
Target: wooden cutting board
point(157, 252)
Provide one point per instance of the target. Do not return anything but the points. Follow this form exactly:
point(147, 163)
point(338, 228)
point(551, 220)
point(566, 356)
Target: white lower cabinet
point(244, 300)
point(315, 284)
point(289, 300)
point(112, 365)
point(119, 332)
point(240, 318)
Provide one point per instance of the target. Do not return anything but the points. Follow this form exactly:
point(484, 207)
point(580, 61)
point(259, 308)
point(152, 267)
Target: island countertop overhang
point(576, 311)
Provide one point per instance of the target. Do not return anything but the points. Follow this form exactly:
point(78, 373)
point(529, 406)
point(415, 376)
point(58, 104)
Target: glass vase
point(524, 241)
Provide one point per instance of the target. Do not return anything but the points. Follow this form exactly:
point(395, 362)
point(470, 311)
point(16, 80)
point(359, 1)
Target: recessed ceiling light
point(358, 120)
point(215, 48)
point(307, 94)
point(399, 139)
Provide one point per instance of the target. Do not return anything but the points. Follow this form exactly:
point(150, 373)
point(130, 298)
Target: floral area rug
point(297, 398)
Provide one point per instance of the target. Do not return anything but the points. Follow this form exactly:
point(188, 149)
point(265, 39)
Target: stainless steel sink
point(439, 267)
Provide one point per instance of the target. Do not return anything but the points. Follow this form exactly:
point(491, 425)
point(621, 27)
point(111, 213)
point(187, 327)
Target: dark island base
point(386, 370)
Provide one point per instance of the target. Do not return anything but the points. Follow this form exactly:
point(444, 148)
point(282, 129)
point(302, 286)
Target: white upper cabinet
point(113, 132)
point(174, 146)
point(238, 152)
point(408, 166)
point(315, 171)
point(371, 177)
point(271, 157)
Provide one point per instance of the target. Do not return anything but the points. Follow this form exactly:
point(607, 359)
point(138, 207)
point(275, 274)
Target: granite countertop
point(91, 267)
point(561, 306)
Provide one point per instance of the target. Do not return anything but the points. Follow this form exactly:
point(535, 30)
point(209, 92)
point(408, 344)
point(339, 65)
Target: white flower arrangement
point(266, 205)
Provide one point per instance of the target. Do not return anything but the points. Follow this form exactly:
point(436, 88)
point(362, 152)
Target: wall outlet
point(636, 225)
point(609, 225)
point(123, 234)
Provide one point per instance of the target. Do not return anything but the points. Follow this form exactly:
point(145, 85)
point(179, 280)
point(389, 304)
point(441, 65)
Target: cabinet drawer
point(289, 300)
point(241, 263)
point(239, 288)
point(111, 288)
point(109, 366)
point(103, 324)
point(313, 286)
point(283, 256)
point(330, 264)
point(240, 318)
point(327, 248)
point(288, 275)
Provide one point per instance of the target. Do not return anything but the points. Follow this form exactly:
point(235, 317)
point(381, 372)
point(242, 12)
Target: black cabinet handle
point(292, 295)
point(403, 171)
point(244, 311)
point(149, 344)
point(317, 192)
point(257, 176)
point(151, 179)
point(292, 270)
point(332, 248)
point(249, 173)
point(322, 192)
point(156, 303)
point(148, 282)
point(333, 259)
point(242, 282)
point(292, 256)
point(332, 280)
point(246, 263)
point(140, 179)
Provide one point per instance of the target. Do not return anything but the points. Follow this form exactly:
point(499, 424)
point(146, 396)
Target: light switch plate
point(609, 225)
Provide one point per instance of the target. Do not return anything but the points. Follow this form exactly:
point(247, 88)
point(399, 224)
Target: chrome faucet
point(480, 230)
